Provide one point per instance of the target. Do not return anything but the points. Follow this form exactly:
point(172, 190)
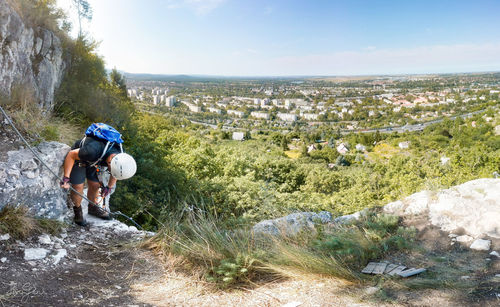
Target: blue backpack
point(104, 132)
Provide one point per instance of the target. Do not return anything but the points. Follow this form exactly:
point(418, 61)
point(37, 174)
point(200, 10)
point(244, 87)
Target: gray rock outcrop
point(31, 58)
point(473, 206)
point(25, 181)
point(292, 224)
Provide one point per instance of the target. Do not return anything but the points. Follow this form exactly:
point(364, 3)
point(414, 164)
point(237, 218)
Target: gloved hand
point(64, 183)
point(105, 191)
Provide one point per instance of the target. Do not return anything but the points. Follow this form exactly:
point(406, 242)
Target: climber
point(100, 150)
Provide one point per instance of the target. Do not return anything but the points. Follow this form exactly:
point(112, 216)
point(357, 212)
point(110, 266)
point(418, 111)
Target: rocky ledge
point(469, 212)
point(25, 181)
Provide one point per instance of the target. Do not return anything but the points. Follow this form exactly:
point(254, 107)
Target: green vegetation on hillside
point(244, 182)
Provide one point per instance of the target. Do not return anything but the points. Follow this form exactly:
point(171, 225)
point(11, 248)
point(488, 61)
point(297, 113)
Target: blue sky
point(273, 38)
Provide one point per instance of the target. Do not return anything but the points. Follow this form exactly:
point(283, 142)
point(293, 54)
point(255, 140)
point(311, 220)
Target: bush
point(86, 95)
point(42, 13)
point(365, 240)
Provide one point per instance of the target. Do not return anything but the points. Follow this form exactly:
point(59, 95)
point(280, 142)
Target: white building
point(306, 108)
point(235, 113)
point(238, 136)
point(156, 99)
point(404, 145)
point(342, 149)
point(260, 115)
point(214, 110)
point(132, 93)
point(310, 116)
point(287, 117)
point(194, 108)
point(360, 147)
point(170, 101)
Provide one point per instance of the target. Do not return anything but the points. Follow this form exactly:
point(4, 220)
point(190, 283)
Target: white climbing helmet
point(123, 166)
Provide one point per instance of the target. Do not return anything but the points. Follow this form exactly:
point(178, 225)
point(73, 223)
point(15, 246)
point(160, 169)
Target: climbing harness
point(57, 176)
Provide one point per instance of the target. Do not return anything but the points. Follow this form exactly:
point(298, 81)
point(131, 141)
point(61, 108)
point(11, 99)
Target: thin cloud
point(203, 7)
point(438, 58)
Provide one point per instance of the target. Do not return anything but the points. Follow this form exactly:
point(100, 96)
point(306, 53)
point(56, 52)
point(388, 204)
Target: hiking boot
point(99, 212)
point(79, 220)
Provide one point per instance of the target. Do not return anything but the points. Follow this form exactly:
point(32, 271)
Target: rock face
point(292, 224)
point(24, 181)
point(31, 58)
point(473, 206)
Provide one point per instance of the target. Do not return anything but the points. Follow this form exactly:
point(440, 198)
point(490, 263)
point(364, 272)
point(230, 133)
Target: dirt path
point(98, 270)
point(103, 266)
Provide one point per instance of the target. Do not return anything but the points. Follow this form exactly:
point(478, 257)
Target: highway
point(399, 129)
point(415, 127)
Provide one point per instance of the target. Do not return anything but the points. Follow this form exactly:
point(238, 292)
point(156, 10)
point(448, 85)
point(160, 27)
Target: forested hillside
point(184, 166)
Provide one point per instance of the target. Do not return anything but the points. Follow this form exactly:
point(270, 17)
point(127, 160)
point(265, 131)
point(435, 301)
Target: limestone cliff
point(31, 57)
point(25, 181)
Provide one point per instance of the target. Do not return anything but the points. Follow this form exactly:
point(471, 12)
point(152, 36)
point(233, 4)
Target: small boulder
point(35, 253)
point(44, 239)
point(464, 238)
point(292, 224)
point(481, 245)
point(61, 253)
point(344, 219)
point(5, 237)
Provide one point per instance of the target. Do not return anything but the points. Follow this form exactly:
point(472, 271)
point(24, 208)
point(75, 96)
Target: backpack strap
point(83, 141)
point(106, 148)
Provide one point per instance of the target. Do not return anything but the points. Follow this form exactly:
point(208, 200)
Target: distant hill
point(204, 78)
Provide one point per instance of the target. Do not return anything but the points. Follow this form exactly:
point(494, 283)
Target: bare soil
point(455, 276)
point(98, 271)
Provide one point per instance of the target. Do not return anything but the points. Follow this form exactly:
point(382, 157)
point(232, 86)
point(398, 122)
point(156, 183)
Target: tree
point(84, 11)
point(248, 135)
point(118, 80)
point(284, 143)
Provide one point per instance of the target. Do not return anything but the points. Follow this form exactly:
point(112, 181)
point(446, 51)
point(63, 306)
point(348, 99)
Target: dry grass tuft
point(17, 222)
point(33, 123)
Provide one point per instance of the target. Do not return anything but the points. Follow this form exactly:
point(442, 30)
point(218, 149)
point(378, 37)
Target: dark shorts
point(80, 172)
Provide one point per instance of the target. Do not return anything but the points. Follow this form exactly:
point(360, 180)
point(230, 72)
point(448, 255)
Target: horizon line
point(309, 76)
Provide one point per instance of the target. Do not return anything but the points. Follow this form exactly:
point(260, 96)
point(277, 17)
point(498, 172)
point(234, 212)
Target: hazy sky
point(308, 37)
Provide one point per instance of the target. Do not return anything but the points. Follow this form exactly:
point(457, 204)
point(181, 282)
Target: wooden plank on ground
point(369, 268)
point(380, 268)
point(397, 270)
point(390, 267)
point(410, 272)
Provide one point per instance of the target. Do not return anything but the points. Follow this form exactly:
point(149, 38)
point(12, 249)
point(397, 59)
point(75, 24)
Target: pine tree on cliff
point(84, 11)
